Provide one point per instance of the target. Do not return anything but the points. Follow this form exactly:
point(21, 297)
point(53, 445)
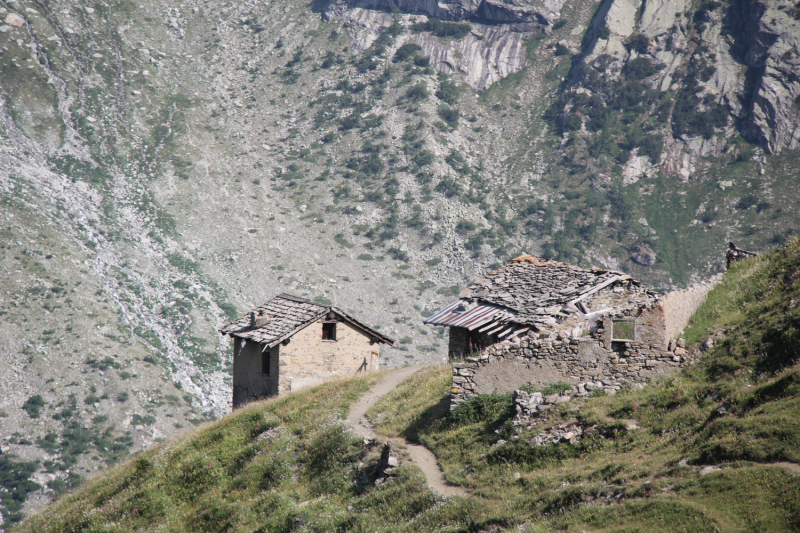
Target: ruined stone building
point(290, 343)
point(536, 321)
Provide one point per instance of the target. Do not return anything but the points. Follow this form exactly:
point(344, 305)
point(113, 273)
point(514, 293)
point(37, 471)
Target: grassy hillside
point(642, 464)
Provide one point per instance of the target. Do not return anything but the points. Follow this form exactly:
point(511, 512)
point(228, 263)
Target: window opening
point(266, 359)
point(623, 330)
point(329, 331)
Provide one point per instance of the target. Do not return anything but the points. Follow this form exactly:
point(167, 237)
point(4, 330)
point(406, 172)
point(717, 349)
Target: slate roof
point(286, 315)
point(534, 291)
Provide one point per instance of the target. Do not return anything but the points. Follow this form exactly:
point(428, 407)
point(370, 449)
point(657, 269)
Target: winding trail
point(422, 456)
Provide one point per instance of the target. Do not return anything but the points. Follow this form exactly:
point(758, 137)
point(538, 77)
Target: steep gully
point(420, 455)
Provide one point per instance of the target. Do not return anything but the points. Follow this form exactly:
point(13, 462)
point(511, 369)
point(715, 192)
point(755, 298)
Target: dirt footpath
point(422, 456)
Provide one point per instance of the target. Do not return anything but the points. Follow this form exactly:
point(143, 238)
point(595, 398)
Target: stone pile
point(532, 404)
point(570, 433)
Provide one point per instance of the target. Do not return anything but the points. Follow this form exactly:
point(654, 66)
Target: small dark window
point(329, 331)
point(623, 330)
point(265, 363)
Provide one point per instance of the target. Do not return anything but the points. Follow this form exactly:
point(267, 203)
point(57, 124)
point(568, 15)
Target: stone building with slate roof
point(533, 295)
point(536, 321)
point(290, 343)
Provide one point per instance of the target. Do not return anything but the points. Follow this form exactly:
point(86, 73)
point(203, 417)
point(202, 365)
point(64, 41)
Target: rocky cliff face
point(493, 11)
point(742, 55)
point(770, 30)
point(485, 55)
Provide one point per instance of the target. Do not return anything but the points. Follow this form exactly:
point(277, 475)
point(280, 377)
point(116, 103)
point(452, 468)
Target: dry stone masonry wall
point(588, 363)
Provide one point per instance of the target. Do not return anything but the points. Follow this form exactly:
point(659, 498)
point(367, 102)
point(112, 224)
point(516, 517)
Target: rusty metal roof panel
point(465, 314)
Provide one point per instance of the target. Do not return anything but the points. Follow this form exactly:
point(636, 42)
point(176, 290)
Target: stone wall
point(650, 325)
point(308, 360)
point(679, 306)
point(249, 381)
point(588, 363)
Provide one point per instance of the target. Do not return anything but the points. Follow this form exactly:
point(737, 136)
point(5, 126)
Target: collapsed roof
point(284, 315)
point(531, 292)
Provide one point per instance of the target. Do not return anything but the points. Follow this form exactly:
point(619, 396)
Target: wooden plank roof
point(284, 315)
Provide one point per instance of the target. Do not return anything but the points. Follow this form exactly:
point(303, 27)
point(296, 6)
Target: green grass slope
point(291, 464)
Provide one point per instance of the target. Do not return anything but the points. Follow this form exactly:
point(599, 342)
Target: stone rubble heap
point(531, 406)
point(570, 433)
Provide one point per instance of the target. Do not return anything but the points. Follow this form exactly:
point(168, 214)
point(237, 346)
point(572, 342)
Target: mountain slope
point(183, 162)
point(714, 448)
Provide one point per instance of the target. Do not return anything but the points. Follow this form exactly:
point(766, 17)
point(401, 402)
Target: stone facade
point(535, 321)
point(679, 306)
point(308, 360)
point(588, 363)
point(290, 343)
point(304, 361)
point(249, 379)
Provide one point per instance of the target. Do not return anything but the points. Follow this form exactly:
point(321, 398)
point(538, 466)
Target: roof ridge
point(293, 298)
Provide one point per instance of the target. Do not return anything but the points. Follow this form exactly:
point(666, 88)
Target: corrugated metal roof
point(465, 314)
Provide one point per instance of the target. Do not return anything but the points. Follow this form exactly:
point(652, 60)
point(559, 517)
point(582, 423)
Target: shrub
point(450, 188)
point(640, 68)
point(553, 388)
point(465, 226)
point(639, 43)
point(447, 92)
point(482, 408)
point(33, 405)
point(746, 202)
point(407, 51)
point(603, 32)
point(439, 28)
point(425, 157)
point(449, 115)
point(417, 92)
point(397, 254)
point(349, 122)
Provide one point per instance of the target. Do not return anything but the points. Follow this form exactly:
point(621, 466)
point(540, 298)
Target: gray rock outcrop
point(495, 11)
point(489, 53)
point(772, 36)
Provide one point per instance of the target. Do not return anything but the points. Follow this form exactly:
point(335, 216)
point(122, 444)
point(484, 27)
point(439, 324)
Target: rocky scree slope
point(174, 164)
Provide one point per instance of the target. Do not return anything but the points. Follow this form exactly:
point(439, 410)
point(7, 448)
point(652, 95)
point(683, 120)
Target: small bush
point(449, 115)
point(746, 202)
point(481, 408)
point(407, 51)
point(33, 405)
point(553, 388)
point(447, 92)
point(417, 92)
point(425, 157)
point(439, 28)
point(639, 43)
point(465, 226)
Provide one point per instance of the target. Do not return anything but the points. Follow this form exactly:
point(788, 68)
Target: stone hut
point(290, 343)
point(536, 321)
